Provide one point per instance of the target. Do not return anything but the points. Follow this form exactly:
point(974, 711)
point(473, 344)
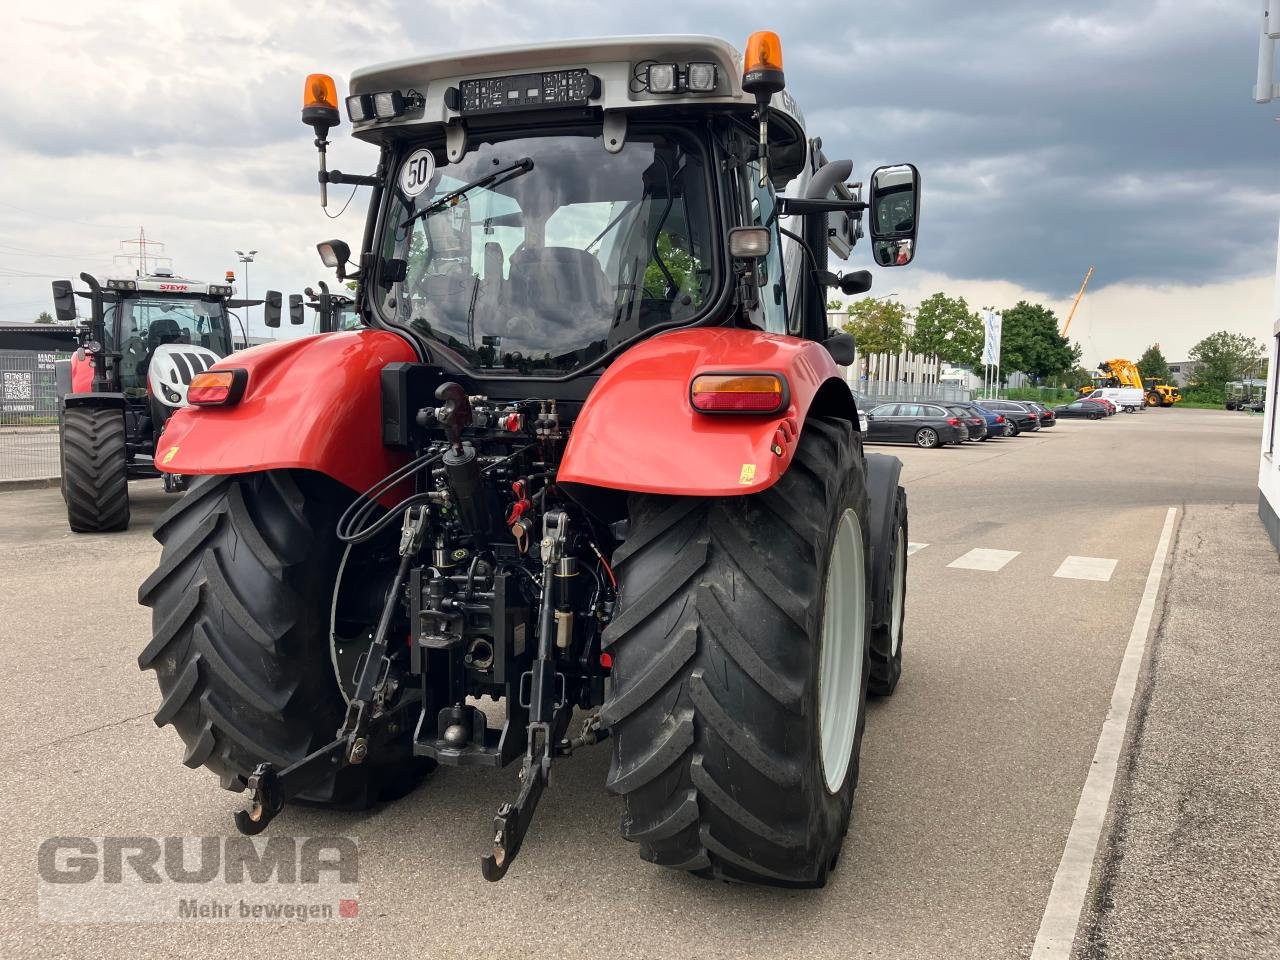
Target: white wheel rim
point(844, 650)
point(899, 596)
point(926, 438)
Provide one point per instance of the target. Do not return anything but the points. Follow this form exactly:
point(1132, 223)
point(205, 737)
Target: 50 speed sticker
point(416, 172)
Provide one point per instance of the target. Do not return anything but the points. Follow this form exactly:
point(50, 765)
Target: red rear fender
point(312, 404)
point(639, 432)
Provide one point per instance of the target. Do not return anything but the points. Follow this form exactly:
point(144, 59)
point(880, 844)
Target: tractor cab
point(543, 209)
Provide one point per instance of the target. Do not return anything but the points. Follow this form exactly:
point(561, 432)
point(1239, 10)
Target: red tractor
point(147, 335)
point(589, 451)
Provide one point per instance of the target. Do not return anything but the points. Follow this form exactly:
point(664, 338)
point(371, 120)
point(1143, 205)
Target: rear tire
point(240, 621)
point(886, 637)
point(720, 751)
point(927, 438)
point(95, 478)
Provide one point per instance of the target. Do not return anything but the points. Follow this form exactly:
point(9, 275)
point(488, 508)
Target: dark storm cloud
point(1050, 136)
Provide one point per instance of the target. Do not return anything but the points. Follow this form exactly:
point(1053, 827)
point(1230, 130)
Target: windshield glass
point(558, 260)
point(147, 321)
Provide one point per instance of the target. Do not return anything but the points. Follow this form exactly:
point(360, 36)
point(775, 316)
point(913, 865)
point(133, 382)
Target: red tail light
point(217, 388)
point(999, 419)
point(954, 422)
point(738, 393)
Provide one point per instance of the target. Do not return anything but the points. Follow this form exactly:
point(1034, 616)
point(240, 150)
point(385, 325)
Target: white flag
point(991, 344)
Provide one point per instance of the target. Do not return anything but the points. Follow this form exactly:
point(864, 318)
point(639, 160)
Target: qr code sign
point(18, 385)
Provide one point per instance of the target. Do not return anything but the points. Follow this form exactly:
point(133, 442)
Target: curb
point(36, 484)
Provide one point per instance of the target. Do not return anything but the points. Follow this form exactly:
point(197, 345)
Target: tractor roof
point(618, 62)
point(163, 283)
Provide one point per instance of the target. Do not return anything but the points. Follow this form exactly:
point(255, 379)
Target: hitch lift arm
point(365, 713)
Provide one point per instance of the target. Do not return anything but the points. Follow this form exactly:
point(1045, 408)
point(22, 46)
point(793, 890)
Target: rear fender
point(638, 431)
point(310, 404)
point(883, 473)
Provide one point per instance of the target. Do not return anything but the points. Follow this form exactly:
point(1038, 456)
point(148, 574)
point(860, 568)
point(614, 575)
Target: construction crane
point(1076, 302)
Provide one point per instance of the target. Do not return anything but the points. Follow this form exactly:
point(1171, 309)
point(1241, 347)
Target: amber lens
point(764, 51)
point(320, 91)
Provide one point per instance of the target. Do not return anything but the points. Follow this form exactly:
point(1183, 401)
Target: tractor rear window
point(569, 252)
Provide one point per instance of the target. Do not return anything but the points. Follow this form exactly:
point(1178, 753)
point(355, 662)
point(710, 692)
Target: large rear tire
point(95, 478)
point(240, 621)
point(733, 747)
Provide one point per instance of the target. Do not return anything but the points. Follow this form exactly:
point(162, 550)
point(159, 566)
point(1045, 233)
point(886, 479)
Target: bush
point(1046, 395)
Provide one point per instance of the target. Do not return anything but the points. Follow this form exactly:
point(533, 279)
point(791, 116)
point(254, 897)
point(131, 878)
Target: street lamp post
point(246, 259)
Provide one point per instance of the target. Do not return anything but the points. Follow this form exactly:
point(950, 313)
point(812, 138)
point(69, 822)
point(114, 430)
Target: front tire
point(737, 701)
point(240, 623)
point(95, 478)
point(886, 636)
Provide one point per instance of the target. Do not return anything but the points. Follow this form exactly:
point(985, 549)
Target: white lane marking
point(1071, 882)
point(1086, 568)
point(980, 558)
point(913, 547)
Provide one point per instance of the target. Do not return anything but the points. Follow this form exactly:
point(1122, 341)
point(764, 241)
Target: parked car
point(1086, 409)
point(1018, 416)
point(996, 423)
point(926, 425)
point(1110, 405)
point(974, 422)
point(864, 404)
point(1047, 418)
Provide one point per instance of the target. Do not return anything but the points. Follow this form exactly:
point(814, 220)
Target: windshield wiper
point(517, 169)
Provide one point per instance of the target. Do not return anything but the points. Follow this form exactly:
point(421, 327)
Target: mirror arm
point(787, 206)
point(351, 179)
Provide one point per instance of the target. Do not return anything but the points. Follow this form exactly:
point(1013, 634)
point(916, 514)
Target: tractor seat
point(163, 330)
point(563, 286)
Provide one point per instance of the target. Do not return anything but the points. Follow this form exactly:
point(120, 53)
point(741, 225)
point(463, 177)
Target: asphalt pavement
point(1029, 558)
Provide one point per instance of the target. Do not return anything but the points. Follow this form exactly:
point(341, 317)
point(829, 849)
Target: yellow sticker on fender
point(170, 454)
point(748, 473)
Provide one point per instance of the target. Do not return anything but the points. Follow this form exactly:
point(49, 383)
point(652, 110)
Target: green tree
point(947, 330)
point(1030, 342)
point(1153, 364)
point(45, 317)
point(878, 326)
point(1223, 357)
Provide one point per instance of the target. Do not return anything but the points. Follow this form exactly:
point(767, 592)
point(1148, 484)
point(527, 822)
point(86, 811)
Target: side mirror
point(295, 309)
point(271, 309)
point(335, 255)
point(895, 208)
point(859, 281)
point(64, 301)
point(842, 347)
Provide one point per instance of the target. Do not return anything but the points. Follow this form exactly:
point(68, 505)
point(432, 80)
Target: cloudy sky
point(1050, 136)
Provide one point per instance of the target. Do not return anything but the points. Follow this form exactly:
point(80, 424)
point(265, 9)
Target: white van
point(1128, 399)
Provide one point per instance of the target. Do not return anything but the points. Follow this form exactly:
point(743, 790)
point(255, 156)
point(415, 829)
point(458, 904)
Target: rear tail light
point(999, 419)
point(217, 388)
point(954, 422)
point(738, 393)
